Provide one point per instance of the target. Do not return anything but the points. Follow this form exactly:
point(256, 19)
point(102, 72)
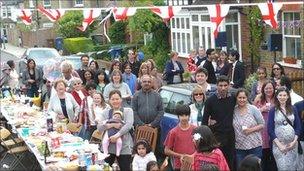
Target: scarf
point(199, 107)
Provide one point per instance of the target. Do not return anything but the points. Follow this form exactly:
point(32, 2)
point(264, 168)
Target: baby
point(117, 117)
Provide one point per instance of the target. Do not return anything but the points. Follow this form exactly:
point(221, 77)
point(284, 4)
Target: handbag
point(300, 149)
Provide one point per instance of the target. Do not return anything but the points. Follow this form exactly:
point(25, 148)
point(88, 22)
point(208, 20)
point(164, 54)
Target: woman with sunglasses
point(197, 108)
point(78, 92)
point(276, 73)
point(284, 128)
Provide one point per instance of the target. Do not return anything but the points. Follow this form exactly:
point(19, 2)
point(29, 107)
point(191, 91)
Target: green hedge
point(78, 44)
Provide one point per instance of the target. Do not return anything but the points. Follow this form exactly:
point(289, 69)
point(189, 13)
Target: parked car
point(40, 55)
point(173, 95)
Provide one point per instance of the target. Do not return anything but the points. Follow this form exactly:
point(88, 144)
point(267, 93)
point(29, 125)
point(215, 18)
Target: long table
point(22, 117)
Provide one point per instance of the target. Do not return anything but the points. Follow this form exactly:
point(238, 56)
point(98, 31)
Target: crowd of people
point(220, 130)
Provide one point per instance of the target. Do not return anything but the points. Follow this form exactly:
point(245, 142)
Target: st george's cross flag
point(89, 15)
point(25, 15)
point(52, 14)
point(166, 13)
point(123, 13)
point(217, 13)
point(269, 13)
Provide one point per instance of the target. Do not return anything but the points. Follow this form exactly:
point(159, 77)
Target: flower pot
point(290, 60)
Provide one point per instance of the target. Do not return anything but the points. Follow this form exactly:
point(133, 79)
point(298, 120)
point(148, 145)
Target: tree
point(117, 32)
point(67, 25)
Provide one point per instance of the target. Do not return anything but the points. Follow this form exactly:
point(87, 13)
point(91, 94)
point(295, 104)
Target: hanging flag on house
point(26, 16)
point(123, 13)
point(89, 15)
point(269, 13)
point(52, 14)
point(217, 13)
point(166, 13)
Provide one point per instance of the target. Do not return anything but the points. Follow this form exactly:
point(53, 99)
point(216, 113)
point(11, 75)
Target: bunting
point(123, 13)
point(217, 13)
point(26, 16)
point(166, 13)
point(269, 13)
point(89, 16)
point(52, 14)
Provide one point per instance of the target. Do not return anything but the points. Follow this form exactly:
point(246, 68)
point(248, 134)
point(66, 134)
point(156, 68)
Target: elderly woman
point(5, 75)
point(197, 108)
point(62, 105)
point(174, 69)
point(124, 159)
point(118, 84)
point(79, 93)
point(32, 78)
point(68, 73)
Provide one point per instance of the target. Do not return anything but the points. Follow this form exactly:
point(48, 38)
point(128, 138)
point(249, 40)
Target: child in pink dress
point(117, 117)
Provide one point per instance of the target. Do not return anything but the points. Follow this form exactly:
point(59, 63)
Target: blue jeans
point(241, 154)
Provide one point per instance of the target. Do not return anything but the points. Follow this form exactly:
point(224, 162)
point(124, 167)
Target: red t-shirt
point(180, 141)
point(215, 157)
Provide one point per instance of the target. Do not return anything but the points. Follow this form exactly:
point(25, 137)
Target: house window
point(79, 3)
point(291, 35)
point(180, 34)
point(9, 12)
point(46, 3)
point(232, 31)
point(31, 3)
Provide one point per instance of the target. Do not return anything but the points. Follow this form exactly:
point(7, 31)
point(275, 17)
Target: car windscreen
point(172, 99)
point(40, 56)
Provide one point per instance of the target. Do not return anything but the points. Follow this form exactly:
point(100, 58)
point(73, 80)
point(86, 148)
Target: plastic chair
point(96, 137)
point(148, 133)
point(17, 151)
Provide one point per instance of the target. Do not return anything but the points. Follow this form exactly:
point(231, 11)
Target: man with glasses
point(147, 105)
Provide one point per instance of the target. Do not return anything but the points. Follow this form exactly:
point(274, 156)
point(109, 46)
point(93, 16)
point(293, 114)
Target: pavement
point(14, 50)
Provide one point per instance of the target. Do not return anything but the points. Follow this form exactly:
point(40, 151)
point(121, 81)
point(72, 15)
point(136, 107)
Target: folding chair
point(96, 137)
point(16, 150)
point(148, 133)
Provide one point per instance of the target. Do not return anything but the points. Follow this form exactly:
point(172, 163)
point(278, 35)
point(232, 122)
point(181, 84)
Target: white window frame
point(298, 65)
point(238, 23)
point(79, 4)
point(47, 4)
point(181, 31)
point(31, 3)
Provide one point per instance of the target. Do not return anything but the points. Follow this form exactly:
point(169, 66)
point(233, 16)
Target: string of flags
point(217, 13)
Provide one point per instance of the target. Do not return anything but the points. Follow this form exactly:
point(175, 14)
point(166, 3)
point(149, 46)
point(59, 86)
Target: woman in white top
point(197, 108)
point(13, 82)
point(118, 84)
point(62, 105)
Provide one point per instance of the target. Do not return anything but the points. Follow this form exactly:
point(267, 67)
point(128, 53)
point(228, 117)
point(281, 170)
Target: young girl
point(143, 155)
point(129, 78)
point(102, 80)
point(207, 151)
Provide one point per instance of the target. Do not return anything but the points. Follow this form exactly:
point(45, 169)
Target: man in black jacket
point(208, 65)
point(237, 70)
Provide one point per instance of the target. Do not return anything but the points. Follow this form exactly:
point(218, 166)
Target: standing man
point(209, 66)
point(84, 65)
point(147, 105)
point(134, 63)
point(218, 115)
point(201, 56)
point(237, 71)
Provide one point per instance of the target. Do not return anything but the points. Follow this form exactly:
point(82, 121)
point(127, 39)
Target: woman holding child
point(124, 159)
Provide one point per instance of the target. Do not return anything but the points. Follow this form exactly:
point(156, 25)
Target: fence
point(297, 79)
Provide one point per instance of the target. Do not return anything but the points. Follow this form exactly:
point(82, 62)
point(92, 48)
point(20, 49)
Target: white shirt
point(80, 94)
point(193, 115)
point(295, 97)
point(140, 163)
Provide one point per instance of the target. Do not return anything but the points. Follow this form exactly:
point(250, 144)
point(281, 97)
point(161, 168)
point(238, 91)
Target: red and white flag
point(51, 14)
point(26, 16)
point(217, 13)
point(123, 13)
point(166, 13)
point(269, 13)
point(89, 15)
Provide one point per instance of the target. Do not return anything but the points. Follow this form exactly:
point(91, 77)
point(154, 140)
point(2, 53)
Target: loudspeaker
point(275, 42)
point(221, 40)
